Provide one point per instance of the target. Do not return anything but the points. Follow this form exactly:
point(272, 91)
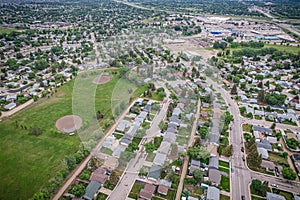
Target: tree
point(198, 153)
point(233, 90)
point(198, 175)
point(150, 147)
point(99, 115)
point(227, 151)
point(259, 187)
point(292, 143)
point(288, 173)
point(41, 64)
point(35, 131)
point(261, 96)
point(78, 190)
point(243, 86)
point(254, 159)
point(203, 131)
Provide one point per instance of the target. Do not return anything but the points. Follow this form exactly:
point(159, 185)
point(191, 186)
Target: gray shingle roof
point(91, 190)
point(160, 159)
point(154, 172)
point(213, 193)
point(213, 162)
point(262, 129)
point(271, 196)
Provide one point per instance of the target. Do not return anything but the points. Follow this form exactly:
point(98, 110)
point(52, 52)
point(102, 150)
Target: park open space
point(28, 161)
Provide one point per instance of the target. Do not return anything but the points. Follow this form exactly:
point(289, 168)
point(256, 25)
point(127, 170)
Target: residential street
point(131, 172)
point(241, 175)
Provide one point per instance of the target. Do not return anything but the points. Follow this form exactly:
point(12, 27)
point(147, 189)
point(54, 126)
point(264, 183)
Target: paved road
point(128, 178)
point(15, 110)
point(242, 176)
point(186, 158)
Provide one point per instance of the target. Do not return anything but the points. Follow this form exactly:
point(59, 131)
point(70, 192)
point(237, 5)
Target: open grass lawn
point(224, 197)
point(182, 140)
point(287, 195)
point(135, 190)
point(225, 184)
point(150, 157)
point(223, 169)
point(256, 197)
point(106, 151)
point(247, 127)
point(223, 163)
point(28, 161)
point(6, 30)
point(277, 158)
point(290, 123)
point(287, 49)
point(101, 196)
point(170, 196)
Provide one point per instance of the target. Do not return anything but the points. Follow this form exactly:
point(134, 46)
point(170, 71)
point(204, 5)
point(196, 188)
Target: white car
point(274, 185)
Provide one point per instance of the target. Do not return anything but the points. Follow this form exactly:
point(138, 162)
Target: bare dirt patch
point(69, 123)
point(102, 79)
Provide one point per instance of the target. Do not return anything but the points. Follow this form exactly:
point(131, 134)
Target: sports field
point(29, 161)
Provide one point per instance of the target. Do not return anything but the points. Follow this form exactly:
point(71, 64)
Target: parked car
point(274, 185)
point(243, 197)
point(242, 149)
point(276, 171)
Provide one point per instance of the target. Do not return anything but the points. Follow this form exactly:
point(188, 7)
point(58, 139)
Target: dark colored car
point(243, 197)
point(242, 149)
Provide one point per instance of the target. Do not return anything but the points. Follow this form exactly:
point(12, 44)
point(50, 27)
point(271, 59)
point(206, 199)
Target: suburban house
point(148, 191)
point(213, 193)
point(97, 179)
point(195, 164)
point(263, 152)
point(272, 196)
point(91, 190)
point(262, 129)
point(214, 176)
point(154, 173)
point(122, 125)
point(213, 162)
point(160, 159)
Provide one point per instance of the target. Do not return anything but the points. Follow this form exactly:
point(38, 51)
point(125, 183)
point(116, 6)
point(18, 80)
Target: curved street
point(241, 175)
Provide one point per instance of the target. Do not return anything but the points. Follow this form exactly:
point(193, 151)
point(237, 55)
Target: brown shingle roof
point(162, 189)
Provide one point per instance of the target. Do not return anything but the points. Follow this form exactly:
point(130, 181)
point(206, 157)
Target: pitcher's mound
point(69, 123)
point(102, 79)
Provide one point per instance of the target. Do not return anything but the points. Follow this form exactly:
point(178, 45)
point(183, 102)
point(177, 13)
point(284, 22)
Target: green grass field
point(225, 184)
point(28, 161)
point(6, 30)
point(287, 49)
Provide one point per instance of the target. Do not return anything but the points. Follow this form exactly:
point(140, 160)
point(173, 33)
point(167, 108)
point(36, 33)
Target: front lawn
point(106, 151)
point(170, 195)
point(287, 195)
point(277, 158)
point(224, 197)
point(247, 128)
point(101, 196)
point(224, 163)
point(225, 184)
point(135, 190)
point(223, 169)
point(150, 157)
